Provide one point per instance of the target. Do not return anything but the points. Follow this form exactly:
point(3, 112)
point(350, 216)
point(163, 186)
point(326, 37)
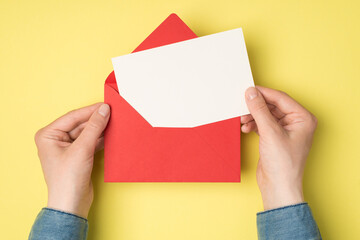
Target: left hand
point(66, 150)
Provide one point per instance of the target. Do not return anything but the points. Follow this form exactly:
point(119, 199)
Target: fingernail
point(251, 93)
point(104, 110)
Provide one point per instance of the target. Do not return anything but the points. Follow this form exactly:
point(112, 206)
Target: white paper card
point(187, 84)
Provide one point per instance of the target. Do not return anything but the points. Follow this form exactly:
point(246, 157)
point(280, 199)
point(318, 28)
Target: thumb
point(94, 127)
point(259, 109)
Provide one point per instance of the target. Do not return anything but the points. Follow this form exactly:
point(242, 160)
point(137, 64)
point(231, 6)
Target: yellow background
point(55, 56)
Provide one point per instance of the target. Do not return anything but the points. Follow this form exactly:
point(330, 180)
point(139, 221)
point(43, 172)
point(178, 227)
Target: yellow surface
point(55, 56)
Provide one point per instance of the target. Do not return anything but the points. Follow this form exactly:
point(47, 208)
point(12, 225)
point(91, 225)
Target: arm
point(285, 130)
point(66, 150)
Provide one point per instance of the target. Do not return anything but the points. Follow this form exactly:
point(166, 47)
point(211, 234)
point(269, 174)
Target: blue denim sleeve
point(294, 222)
point(51, 224)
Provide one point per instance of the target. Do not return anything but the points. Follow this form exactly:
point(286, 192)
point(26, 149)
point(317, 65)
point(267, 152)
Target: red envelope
point(137, 152)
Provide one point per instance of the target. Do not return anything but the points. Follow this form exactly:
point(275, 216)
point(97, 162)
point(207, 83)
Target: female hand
point(66, 150)
point(286, 131)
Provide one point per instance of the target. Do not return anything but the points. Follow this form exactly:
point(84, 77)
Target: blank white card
point(187, 84)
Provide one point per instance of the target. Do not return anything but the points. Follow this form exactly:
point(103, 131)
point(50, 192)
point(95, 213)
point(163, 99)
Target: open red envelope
point(137, 152)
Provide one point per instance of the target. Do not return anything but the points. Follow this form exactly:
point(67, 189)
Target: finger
point(75, 133)
point(74, 118)
point(259, 110)
point(284, 121)
point(292, 119)
point(281, 100)
point(99, 144)
point(249, 127)
point(246, 119)
point(270, 106)
point(276, 112)
point(94, 128)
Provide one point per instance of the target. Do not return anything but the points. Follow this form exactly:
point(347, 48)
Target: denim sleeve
point(51, 224)
point(294, 222)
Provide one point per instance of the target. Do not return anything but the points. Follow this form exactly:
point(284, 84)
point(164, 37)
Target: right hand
point(286, 131)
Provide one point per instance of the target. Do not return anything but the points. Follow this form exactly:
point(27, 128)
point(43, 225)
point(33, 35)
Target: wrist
point(70, 203)
point(280, 195)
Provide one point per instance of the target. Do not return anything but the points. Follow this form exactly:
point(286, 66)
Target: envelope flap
point(171, 30)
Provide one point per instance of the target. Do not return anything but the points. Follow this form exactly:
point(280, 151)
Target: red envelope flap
point(171, 30)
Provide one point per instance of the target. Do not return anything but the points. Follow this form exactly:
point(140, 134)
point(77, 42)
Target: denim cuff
point(290, 222)
point(54, 224)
